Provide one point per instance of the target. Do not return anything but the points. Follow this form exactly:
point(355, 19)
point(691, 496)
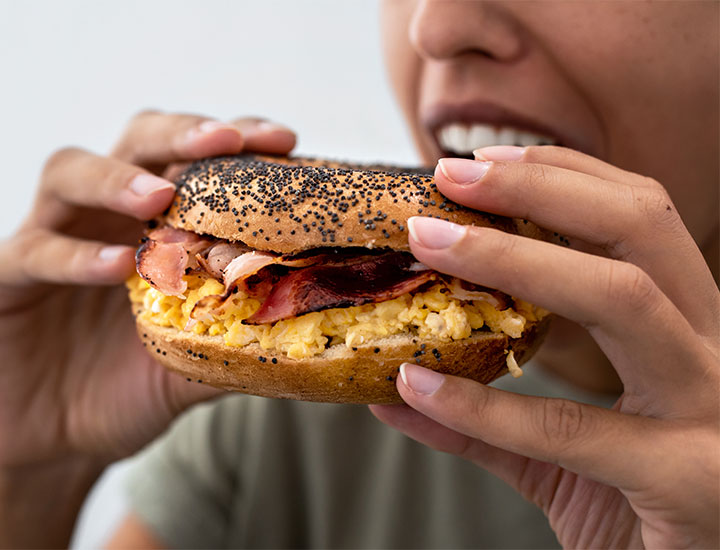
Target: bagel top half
point(287, 205)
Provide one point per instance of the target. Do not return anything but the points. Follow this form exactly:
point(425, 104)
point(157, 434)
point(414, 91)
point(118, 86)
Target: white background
point(73, 72)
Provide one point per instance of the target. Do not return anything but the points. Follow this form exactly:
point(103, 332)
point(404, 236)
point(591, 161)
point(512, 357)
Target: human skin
point(633, 83)
point(600, 75)
point(64, 414)
point(77, 389)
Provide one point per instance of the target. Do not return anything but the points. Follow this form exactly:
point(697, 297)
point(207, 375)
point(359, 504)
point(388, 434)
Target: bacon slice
point(319, 287)
point(239, 270)
point(232, 275)
point(245, 265)
point(287, 286)
point(464, 290)
point(219, 256)
point(164, 257)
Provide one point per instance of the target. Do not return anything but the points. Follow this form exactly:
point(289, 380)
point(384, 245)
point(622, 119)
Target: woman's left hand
point(645, 473)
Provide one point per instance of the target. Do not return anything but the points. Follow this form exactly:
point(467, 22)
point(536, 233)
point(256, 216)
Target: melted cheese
point(429, 314)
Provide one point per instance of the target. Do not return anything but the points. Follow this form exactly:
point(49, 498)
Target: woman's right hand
point(76, 384)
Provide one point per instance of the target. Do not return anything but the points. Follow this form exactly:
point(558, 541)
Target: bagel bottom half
point(365, 374)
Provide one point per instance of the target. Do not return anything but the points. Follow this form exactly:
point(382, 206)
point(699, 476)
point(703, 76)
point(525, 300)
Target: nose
point(443, 29)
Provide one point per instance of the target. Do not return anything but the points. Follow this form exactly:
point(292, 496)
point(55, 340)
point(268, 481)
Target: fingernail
point(463, 171)
point(146, 184)
point(265, 127)
point(111, 253)
point(434, 233)
point(208, 127)
point(421, 380)
point(499, 152)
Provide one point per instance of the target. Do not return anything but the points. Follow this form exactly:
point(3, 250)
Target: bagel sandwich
point(293, 278)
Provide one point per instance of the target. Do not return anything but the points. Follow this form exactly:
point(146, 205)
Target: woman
point(629, 92)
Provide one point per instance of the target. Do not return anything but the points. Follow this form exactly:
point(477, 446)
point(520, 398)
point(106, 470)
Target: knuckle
point(24, 240)
point(630, 287)
point(77, 259)
point(537, 177)
point(466, 449)
point(57, 160)
point(126, 147)
point(245, 121)
point(536, 153)
point(27, 247)
point(139, 118)
point(562, 422)
point(120, 176)
point(652, 183)
point(478, 406)
point(654, 207)
point(33, 239)
point(501, 246)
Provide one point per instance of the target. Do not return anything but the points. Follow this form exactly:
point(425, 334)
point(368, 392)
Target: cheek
point(631, 62)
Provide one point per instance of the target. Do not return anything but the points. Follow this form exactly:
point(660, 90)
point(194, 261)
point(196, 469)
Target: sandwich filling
point(304, 303)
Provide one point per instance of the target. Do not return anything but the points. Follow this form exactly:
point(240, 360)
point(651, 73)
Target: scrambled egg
point(430, 314)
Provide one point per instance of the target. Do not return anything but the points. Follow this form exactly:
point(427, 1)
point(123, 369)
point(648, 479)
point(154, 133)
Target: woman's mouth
point(460, 139)
point(458, 129)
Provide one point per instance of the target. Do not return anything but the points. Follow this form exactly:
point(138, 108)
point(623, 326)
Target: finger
point(570, 203)
point(74, 177)
point(603, 445)
point(560, 157)
point(266, 137)
point(154, 139)
point(44, 256)
point(259, 136)
point(620, 305)
point(638, 224)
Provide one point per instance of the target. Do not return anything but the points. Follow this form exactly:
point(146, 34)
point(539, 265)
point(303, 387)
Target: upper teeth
point(464, 139)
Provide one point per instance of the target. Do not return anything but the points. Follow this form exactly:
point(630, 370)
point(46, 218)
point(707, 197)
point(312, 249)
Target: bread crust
point(365, 374)
point(288, 205)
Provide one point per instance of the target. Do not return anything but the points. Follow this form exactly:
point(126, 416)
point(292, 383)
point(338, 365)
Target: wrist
point(40, 502)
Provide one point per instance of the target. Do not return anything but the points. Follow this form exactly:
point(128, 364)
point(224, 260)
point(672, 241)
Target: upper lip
point(440, 114)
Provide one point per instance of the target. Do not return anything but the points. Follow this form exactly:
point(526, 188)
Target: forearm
point(40, 503)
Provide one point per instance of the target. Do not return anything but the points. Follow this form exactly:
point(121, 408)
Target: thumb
point(600, 444)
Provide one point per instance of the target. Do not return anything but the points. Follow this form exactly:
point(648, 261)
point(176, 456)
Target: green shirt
point(248, 472)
